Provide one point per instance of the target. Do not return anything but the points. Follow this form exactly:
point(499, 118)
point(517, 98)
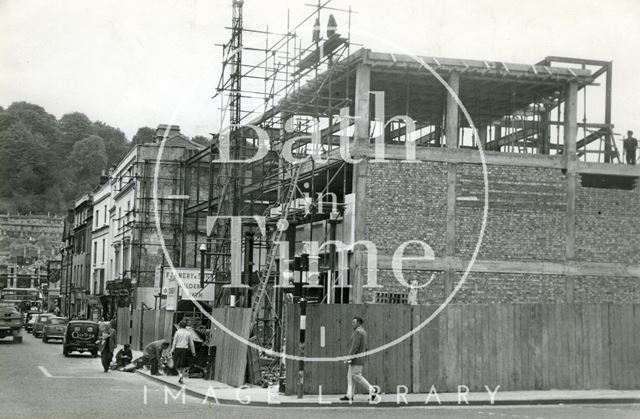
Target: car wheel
point(94, 354)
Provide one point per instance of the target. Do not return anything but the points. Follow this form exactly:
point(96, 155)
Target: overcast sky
point(132, 63)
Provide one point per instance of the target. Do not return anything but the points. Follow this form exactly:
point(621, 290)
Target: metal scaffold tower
point(263, 73)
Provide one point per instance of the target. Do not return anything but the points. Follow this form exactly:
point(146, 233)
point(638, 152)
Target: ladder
point(276, 237)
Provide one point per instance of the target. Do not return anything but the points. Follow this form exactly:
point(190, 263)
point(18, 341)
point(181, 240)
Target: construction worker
point(630, 146)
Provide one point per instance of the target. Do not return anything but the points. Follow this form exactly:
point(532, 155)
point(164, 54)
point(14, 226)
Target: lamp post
point(203, 249)
point(301, 263)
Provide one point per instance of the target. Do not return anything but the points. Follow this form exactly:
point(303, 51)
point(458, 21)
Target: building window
point(103, 246)
point(117, 257)
point(105, 215)
point(97, 215)
point(125, 263)
point(95, 252)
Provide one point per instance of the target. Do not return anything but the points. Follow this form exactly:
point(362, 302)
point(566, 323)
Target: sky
point(133, 63)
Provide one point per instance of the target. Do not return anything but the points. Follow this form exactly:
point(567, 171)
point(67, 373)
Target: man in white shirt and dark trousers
point(182, 341)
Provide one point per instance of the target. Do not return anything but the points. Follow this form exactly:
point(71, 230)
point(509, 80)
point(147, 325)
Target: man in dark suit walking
point(108, 345)
point(357, 345)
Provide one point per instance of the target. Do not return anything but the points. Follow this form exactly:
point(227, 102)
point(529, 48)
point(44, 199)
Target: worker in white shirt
point(182, 341)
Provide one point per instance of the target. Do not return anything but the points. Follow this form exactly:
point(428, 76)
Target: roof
point(488, 89)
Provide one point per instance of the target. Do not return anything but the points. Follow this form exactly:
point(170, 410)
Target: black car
point(81, 336)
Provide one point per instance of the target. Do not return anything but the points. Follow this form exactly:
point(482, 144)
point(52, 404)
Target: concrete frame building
point(559, 223)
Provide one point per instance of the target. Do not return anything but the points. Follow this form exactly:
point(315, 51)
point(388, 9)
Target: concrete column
point(545, 137)
point(608, 158)
point(497, 135)
point(362, 102)
point(571, 120)
point(361, 140)
point(450, 246)
point(482, 135)
point(571, 161)
point(451, 115)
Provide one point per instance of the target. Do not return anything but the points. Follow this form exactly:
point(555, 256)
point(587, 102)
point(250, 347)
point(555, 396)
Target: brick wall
point(527, 212)
point(406, 201)
point(526, 222)
point(607, 225)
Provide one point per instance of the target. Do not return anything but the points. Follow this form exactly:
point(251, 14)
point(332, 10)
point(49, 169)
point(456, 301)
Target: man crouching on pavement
point(151, 355)
point(357, 345)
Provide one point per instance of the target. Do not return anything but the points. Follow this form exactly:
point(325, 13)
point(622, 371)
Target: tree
point(36, 119)
point(115, 142)
point(25, 168)
point(144, 135)
point(87, 160)
point(75, 126)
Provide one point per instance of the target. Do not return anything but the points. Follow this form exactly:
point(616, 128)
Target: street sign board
point(191, 280)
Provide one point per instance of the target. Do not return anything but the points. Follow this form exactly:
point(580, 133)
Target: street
point(40, 382)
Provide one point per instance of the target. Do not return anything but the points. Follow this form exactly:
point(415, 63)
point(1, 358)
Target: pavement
point(217, 392)
point(39, 382)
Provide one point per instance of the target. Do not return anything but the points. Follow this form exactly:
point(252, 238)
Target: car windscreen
point(86, 328)
point(43, 319)
point(57, 321)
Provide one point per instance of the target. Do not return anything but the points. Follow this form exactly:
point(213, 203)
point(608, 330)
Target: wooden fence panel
point(516, 346)
point(148, 326)
point(122, 326)
point(231, 354)
point(167, 326)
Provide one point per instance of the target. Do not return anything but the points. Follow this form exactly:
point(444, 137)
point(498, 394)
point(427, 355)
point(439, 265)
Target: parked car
point(28, 316)
point(10, 322)
point(54, 328)
point(30, 323)
point(38, 326)
point(81, 336)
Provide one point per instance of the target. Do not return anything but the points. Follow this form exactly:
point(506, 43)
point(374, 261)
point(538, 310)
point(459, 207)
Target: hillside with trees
point(46, 163)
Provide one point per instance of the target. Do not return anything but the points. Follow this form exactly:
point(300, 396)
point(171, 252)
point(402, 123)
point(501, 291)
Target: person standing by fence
point(357, 345)
point(182, 341)
point(630, 147)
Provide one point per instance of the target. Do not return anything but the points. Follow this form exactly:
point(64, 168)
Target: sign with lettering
point(191, 279)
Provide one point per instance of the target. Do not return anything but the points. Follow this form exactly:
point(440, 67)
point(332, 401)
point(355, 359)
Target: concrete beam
point(569, 268)
point(398, 152)
point(607, 169)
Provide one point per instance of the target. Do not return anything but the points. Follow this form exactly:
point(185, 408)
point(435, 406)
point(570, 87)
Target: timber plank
point(511, 337)
point(579, 349)
point(537, 348)
point(597, 350)
point(517, 341)
point(466, 344)
point(500, 367)
point(636, 345)
point(614, 338)
point(485, 351)
point(565, 356)
point(627, 346)
point(493, 346)
point(606, 347)
point(544, 345)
